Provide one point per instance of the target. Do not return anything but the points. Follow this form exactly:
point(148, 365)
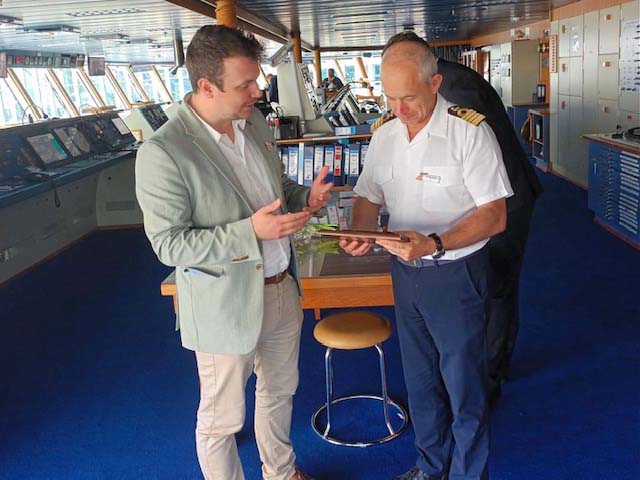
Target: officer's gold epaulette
point(467, 114)
point(382, 120)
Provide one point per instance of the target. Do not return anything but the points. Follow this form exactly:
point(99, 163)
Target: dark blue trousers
point(442, 324)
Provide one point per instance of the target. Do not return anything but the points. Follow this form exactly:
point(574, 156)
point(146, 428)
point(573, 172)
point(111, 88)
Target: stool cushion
point(352, 330)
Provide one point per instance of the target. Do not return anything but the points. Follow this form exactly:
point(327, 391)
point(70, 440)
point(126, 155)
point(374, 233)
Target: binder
point(293, 163)
point(284, 151)
point(329, 152)
point(363, 153)
point(318, 159)
point(307, 177)
point(354, 163)
point(337, 166)
point(301, 163)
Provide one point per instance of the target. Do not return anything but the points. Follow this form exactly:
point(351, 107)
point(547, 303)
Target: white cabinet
point(590, 76)
point(629, 120)
point(609, 38)
point(519, 71)
point(575, 36)
point(608, 77)
point(590, 121)
point(564, 76)
point(575, 75)
point(590, 33)
point(607, 115)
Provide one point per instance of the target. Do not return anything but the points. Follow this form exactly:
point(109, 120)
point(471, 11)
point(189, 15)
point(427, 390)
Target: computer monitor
point(120, 125)
point(96, 66)
point(48, 148)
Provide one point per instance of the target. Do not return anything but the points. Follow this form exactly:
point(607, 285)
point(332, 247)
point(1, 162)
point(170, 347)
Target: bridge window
point(178, 84)
point(43, 92)
point(151, 84)
point(130, 89)
point(12, 103)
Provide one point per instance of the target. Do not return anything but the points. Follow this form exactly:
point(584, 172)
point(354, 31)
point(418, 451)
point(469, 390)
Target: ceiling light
point(115, 11)
point(50, 29)
point(106, 36)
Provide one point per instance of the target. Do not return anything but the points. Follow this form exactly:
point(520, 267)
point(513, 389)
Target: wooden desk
point(333, 281)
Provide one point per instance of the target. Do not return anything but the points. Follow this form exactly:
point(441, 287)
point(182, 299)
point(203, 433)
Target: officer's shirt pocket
point(443, 188)
point(383, 177)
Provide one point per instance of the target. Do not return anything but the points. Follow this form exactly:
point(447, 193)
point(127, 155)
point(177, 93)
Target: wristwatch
point(440, 251)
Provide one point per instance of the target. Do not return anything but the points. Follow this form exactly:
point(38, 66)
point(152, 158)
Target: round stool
point(353, 331)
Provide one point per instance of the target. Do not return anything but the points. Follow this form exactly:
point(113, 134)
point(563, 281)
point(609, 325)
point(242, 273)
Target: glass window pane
point(42, 91)
point(123, 78)
point(73, 85)
point(107, 92)
point(151, 85)
point(350, 73)
point(178, 84)
point(11, 104)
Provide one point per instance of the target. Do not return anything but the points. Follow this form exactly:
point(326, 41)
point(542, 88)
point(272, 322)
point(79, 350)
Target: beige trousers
point(223, 378)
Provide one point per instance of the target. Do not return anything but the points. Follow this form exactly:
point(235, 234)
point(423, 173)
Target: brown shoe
point(300, 475)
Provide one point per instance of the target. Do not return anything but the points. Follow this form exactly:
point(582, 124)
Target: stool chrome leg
point(385, 396)
point(329, 385)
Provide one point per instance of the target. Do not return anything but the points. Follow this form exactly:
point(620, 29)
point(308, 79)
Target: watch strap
point(439, 247)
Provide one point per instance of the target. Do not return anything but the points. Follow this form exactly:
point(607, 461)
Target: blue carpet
point(95, 384)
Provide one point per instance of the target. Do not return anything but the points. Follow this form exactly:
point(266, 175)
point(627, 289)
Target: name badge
point(427, 177)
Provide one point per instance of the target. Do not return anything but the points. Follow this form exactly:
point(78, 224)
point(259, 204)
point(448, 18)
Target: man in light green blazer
point(216, 204)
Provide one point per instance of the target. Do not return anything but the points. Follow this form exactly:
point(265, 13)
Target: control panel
point(29, 150)
point(146, 120)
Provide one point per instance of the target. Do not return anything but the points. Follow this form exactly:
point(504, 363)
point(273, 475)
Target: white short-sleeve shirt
point(443, 175)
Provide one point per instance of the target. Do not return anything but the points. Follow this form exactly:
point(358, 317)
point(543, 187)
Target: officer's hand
point(419, 245)
point(355, 247)
point(270, 225)
point(320, 191)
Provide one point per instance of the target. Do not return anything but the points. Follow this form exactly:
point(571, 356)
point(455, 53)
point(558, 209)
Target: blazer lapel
point(207, 145)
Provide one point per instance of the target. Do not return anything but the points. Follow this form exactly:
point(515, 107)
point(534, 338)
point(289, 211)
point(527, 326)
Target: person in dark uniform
point(463, 86)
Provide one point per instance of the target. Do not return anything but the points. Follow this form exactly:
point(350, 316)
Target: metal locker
point(590, 33)
point(575, 76)
point(577, 160)
point(590, 123)
point(564, 76)
point(575, 36)
point(564, 147)
point(608, 77)
point(590, 77)
point(609, 38)
point(607, 115)
point(630, 11)
point(564, 38)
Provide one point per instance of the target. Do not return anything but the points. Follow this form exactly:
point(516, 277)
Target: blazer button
point(259, 266)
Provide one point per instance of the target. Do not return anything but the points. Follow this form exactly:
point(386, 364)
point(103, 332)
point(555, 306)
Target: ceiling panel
point(145, 27)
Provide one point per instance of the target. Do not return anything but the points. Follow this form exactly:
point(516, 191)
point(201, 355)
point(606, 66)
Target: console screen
point(120, 125)
point(47, 148)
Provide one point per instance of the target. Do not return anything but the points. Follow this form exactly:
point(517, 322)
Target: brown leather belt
point(275, 279)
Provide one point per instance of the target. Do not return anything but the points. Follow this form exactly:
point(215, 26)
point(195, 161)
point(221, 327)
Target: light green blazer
point(197, 218)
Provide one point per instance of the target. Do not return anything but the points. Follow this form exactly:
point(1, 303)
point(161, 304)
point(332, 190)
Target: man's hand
point(269, 225)
point(355, 247)
point(320, 192)
point(419, 245)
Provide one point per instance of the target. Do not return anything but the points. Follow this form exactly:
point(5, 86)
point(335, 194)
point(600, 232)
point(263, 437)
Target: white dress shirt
point(443, 175)
point(246, 162)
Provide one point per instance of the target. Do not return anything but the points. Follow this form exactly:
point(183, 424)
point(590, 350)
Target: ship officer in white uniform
point(438, 169)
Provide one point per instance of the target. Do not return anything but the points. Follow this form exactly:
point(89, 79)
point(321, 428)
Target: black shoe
point(416, 474)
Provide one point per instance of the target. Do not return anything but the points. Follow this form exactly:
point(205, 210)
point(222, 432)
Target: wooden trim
point(339, 68)
point(613, 143)
point(536, 31)
point(27, 98)
point(92, 88)
point(297, 47)
point(363, 71)
point(134, 79)
point(117, 87)
point(318, 66)
point(64, 92)
point(164, 86)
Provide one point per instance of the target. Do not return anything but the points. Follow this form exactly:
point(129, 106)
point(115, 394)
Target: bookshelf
point(539, 134)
